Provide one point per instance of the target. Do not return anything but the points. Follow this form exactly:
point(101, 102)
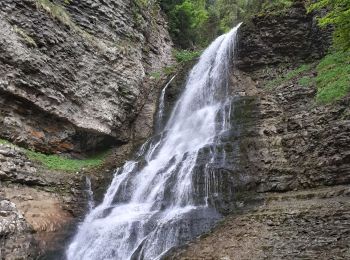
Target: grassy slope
point(332, 77)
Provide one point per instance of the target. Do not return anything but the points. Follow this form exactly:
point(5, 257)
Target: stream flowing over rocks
point(168, 195)
point(292, 168)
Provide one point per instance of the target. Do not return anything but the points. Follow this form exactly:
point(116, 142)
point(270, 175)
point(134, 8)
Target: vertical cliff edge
point(74, 79)
point(73, 72)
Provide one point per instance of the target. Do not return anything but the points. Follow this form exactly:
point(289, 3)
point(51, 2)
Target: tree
point(338, 14)
point(194, 23)
point(186, 19)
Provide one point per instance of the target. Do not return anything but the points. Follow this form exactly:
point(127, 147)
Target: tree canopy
point(197, 22)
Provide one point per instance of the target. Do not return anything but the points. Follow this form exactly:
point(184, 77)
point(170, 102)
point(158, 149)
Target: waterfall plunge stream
point(152, 203)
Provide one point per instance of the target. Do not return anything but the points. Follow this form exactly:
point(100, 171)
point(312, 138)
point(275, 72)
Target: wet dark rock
point(284, 186)
point(289, 37)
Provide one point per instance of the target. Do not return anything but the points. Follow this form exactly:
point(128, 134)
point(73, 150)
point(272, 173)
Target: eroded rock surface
point(72, 72)
point(291, 36)
point(299, 225)
point(285, 184)
point(37, 207)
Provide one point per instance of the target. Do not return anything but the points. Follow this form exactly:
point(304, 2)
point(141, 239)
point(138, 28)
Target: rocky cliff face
point(74, 78)
point(291, 37)
point(37, 205)
point(73, 72)
point(288, 172)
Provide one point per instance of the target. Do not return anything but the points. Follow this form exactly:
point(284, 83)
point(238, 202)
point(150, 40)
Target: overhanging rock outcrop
point(72, 72)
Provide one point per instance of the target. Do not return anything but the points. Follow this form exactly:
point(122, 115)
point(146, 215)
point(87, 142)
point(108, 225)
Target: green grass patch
point(2, 141)
point(290, 75)
point(306, 81)
point(169, 70)
point(333, 77)
point(57, 162)
point(61, 163)
point(186, 55)
point(59, 13)
point(165, 71)
point(157, 74)
point(56, 11)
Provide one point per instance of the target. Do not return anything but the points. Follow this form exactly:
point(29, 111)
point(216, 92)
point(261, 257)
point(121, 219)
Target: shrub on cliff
point(338, 14)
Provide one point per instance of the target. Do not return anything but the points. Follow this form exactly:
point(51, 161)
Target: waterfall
point(160, 200)
point(160, 114)
point(90, 194)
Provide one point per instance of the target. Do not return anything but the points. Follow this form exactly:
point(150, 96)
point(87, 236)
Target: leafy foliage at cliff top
point(195, 23)
point(338, 15)
point(333, 72)
point(333, 77)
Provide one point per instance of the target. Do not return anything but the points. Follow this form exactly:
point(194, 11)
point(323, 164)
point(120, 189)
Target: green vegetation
point(61, 163)
point(306, 81)
point(289, 76)
point(332, 80)
point(276, 5)
point(186, 20)
point(186, 55)
point(157, 74)
point(56, 11)
point(29, 40)
point(194, 23)
point(338, 15)
point(333, 77)
point(57, 162)
point(170, 70)
point(2, 141)
point(181, 56)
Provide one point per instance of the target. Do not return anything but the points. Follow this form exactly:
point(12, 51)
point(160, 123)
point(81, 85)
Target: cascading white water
point(152, 204)
point(90, 194)
point(161, 106)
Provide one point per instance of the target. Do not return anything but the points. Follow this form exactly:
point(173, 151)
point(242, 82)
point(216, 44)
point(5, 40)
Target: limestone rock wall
point(291, 36)
point(288, 168)
point(73, 72)
point(37, 206)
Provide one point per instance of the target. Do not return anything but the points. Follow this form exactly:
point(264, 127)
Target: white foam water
point(151, 204)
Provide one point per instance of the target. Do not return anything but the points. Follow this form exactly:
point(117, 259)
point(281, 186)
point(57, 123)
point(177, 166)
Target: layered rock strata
point(73, 72)
point(285, 186)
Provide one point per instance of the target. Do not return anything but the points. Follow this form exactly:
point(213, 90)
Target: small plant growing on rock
point(289, 76)
point(29, 40)
point(186, 55)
